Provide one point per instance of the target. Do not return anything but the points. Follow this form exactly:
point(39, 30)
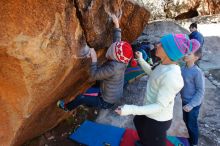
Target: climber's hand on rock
point(138, 55)
point(115, 20)
point(93, 55)
point(89, 54)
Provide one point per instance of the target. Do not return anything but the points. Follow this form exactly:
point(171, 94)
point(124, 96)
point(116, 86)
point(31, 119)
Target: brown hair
point(193, 25)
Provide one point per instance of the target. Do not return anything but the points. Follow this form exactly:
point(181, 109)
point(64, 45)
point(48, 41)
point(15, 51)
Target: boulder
point(181, 9)
point(97, 27)
point(42, 48)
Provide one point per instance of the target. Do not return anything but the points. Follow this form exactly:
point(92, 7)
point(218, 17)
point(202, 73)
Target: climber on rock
point(111, 74)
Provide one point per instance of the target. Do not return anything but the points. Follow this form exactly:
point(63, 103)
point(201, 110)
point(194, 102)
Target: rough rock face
point(181, 9)
point(97, 30)
point(39, 48)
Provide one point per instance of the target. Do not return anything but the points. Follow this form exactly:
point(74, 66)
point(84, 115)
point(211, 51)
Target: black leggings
point(151, 132)
point(91, 101)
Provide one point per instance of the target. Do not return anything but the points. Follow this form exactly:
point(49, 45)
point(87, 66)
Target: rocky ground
point(133, 94)
point(209, 117)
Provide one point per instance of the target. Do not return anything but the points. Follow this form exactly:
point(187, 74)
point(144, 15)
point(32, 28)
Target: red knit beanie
point(124, 53)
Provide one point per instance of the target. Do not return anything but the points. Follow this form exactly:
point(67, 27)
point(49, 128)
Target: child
point(154, 118)
point(147, 50)
point(192, 94)
point(110, 73)
point(195, 34)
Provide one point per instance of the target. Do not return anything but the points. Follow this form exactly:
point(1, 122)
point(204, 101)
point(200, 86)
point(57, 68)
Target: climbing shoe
point(61, 105)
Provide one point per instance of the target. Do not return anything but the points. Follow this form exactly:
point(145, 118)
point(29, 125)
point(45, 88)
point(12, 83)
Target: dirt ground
point(59, 135)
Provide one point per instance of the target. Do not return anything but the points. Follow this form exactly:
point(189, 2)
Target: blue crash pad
point(95, 134)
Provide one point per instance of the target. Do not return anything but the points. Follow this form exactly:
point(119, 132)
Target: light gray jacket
point(111, 75)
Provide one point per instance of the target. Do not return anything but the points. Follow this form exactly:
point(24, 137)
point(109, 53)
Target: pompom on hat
point(121, 52)
point(177, 46)
point(195, 45)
